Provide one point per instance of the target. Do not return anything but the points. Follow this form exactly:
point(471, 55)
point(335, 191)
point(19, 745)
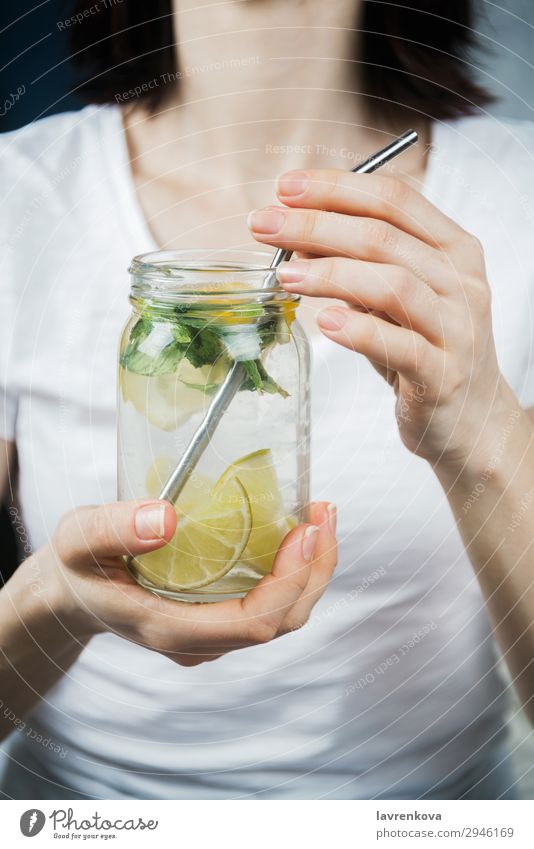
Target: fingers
point(258, 616)
point(390, 289)
point(386, 344)
point(92, 534)
point(268, 604)
point(191, 634)
point(334, 234)
point(369, 195)
point(324, 517)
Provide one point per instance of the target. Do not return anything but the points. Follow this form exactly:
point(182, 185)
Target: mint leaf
point(253, 375)
point(204, 349)
point(181, 334)
point(138, 333)
point(136, 361)
point(141, 363)
point(168, 360)
point(267, 333)
point(140, 330)
point(259, 380)
point(202, 345)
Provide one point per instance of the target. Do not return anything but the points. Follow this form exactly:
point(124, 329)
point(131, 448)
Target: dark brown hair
point(408, 55)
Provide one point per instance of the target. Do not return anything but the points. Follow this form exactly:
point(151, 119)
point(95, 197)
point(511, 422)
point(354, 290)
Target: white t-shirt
point(392, 687)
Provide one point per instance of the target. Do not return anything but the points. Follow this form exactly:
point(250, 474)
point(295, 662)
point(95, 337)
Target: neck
point(263, 87)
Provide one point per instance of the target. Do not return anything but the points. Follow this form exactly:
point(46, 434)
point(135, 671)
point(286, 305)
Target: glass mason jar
point(194, 315)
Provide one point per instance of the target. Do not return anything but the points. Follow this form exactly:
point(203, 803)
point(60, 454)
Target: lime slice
point(264, 541)
point(269, 524)
point(198, 486)
point(257, 474)
point(208, 541)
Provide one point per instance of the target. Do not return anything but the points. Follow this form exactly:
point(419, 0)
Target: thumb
point(90, 534)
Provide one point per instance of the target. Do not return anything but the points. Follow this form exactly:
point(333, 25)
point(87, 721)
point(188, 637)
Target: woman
point(392, 689)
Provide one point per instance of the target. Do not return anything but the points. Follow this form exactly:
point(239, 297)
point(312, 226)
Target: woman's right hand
point(93, 592)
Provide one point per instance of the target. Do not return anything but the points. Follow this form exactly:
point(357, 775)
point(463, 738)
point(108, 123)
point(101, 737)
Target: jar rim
point(197, 275)
point(168, 265)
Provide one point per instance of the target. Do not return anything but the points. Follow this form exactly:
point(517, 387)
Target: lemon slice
point(208, 541)
point(163, 399)
point(269, 524)
point(169, 400)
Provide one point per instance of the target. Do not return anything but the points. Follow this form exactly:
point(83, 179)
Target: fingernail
point(292, 272)
point(309, 541)
point(332, 319)
point(150, 521)
point(266, 221)
point(332, 518)
point(292, 184)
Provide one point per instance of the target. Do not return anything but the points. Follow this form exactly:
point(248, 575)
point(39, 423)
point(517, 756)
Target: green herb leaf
point(259, 380)
point(141, 363)
point(253, 374)
point(168, 359)
point(140, 330)
point(267, 333)
point(204, 349)
point(202, 345)
point(181, 334)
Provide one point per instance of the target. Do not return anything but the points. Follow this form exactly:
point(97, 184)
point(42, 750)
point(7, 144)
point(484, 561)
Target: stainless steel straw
point(236, 374)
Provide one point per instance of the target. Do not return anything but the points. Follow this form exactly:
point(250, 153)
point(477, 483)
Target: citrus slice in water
point(208, 541)
point(269, 524)
point(197, 486)
point(169, 400)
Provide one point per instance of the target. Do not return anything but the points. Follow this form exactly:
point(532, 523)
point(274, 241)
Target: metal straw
point(236, 374)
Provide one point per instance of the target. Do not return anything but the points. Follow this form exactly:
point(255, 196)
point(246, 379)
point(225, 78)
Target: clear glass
point(194, 314)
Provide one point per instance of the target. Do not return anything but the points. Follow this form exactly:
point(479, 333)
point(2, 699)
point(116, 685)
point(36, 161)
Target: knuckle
point(308, 227)
point(368, 333)
point(416, 353)
point(62, 539)
point(381, 236)
point(328, 272)
point(403, 289)
point(330, 185)
point(480, 295)
point(59, 539)
point(329, 269)
point(473, 242)
point(294, 624)
point(455, 380)
point(262, 630)
point(393, 192)
point(472, 250)
point(99, 529)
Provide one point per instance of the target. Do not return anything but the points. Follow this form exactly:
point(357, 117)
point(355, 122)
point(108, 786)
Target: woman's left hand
point(417, 299)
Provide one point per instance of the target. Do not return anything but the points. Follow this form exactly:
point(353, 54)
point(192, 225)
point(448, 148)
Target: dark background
point(32, 46)
point(34, 53)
